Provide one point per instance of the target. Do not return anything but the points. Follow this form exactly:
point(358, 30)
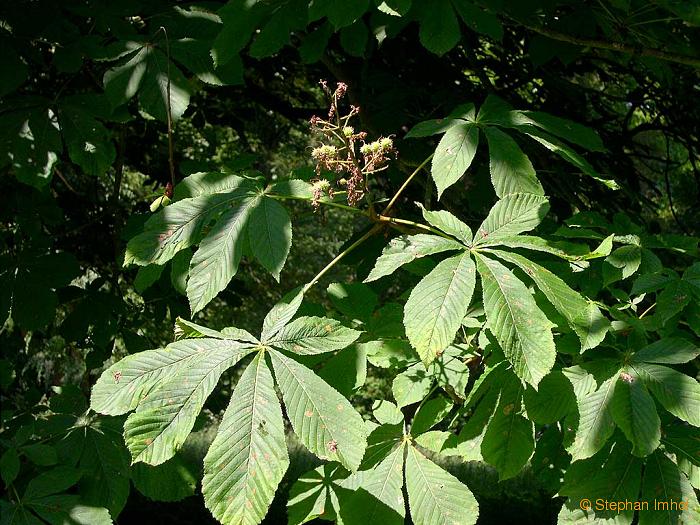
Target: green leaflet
point(386, 412)
point(174, 480)
point(614, 477)
point(437, 305)
point(105, 465)
point(439, 27)
point(513, 214)
point(216, 260)
point(454, 154)
point(553, 399)
point(165, 417)
point(511, 169)
point(207, 183)
point(270, 235)
point(521, 328)
point(565, 152)
point(566, 129)
point(663, 481)
point(324, 420)
point(596, 423)
point(314, 335)
point(634, 411)
point(248, 457)
point(280, 314)
point(122, 386)
point(677, 392)
point(451, 225)
point(583, 316)
point(509, 440)
point(378, 496)
point(185, 329)
point(411, 385)
point(430, 414)
point(564, 249)
point(146, 72)
point(340, 14)
point(669, 350)
point(404, 249)
point(435, 496)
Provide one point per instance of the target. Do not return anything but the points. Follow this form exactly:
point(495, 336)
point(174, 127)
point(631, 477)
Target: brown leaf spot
point(508, 409)
point(333, 445)
point(309, 413)
point(627, 378)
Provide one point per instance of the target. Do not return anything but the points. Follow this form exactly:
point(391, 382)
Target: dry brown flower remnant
point(345, 152)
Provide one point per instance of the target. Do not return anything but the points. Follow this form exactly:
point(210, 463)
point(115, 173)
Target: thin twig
point(405, 184)
point(169, 114)
point(612, 46)
point(668, 187)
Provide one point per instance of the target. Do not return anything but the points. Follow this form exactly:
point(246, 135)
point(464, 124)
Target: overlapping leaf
point(248, 457)
point(405, 249)
point(324, 420)
point(435, 496)
point(438, 304)
point(165, 417)
point(583, 316)
point(521, 328)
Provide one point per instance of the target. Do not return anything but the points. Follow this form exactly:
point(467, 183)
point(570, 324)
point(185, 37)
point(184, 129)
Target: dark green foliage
point(503, 200)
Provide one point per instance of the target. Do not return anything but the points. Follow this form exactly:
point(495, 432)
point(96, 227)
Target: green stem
point(647, 310)
point(413, 224)
point(342, 254)
point(326, 203)
point(406, 183)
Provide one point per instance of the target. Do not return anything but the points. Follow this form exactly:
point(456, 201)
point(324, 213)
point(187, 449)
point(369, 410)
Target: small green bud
point(348, 131)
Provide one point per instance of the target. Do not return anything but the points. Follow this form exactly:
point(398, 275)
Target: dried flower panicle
point(343, 150)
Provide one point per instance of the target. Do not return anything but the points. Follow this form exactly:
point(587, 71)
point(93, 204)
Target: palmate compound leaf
point(521, 328)
point(513, 214)
point(165, 417)
point(238, 210)
point(269, 232)
point(248, 457)
point(583, 316)
point(407, 248)
point(437, 305)
point(324, 420)
point(435, 496)
point(314, 335)
point(634, 411)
